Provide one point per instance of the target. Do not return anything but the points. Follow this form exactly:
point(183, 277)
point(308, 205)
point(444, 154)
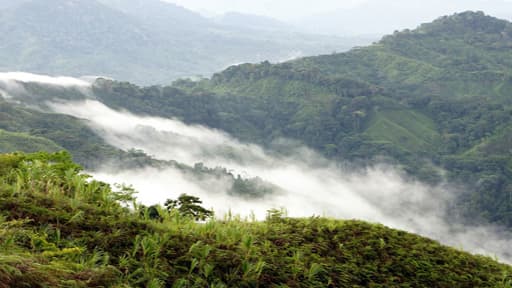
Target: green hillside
point(60, 229)
point(435, 97)
point(405, 129)
point(498, 144)
point(53, 132)
point(12, 142)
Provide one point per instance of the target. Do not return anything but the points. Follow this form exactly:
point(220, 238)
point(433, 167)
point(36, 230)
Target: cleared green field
point(12, 142)
point(407, 129)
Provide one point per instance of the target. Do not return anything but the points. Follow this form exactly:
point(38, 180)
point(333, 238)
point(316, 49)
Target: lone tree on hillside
point(188, 205)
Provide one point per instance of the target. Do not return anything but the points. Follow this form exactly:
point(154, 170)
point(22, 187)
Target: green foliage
point(88, 148)
point(59, 228)
point(405, 129)
point(29, 130)
point(64, 131)
point(11, 142)
point(241, 187)
point(188, 206)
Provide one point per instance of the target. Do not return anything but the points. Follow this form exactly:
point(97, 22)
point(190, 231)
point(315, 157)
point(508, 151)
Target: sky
point(279, 9)
point(350, 17)
point(295, 9)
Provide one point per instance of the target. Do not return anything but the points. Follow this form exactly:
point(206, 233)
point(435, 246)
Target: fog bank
point(310, 184)
point(42, 79)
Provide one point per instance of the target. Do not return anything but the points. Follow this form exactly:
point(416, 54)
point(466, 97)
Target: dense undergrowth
point(60, 228)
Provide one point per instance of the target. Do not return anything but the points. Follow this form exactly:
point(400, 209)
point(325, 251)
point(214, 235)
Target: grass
point(12, 142)
point(407, 129)
point(59, 228)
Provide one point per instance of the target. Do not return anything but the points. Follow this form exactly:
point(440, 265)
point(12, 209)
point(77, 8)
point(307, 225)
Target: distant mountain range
point(146, 42)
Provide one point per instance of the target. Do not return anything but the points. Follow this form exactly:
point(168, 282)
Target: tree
point(188, 205)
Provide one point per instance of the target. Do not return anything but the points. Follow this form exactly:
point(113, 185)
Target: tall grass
point(59, 228)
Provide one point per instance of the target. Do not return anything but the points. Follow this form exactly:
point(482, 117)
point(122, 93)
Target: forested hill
point(466, 54)
point(435, 97)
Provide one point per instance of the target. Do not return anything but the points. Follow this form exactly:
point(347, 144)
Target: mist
point(42, 79)
point(309, 185)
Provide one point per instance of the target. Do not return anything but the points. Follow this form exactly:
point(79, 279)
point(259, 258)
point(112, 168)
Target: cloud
point(42, 79)
point(33, 89)
point(311, 185)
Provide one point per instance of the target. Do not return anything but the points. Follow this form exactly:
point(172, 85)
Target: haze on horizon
point(350, 17)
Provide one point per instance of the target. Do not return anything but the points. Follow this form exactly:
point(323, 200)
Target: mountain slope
point(159, 14)
point(60, 37)
point(427, 98)
point(68, 230)
point(10, 141)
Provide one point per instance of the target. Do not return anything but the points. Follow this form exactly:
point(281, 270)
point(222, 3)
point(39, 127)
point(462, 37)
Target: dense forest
point(59, 228)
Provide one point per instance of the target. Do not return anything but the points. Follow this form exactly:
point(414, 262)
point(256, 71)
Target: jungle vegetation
point(60, 228)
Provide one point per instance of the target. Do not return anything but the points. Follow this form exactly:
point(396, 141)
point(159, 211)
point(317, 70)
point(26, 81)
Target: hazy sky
point(275, 8)
point(294, 9)
point(351, 17)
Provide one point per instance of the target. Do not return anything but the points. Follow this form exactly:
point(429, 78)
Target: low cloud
point(42, 79)
point(310, 184)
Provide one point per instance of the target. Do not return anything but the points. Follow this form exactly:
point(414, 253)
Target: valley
point(412, 132)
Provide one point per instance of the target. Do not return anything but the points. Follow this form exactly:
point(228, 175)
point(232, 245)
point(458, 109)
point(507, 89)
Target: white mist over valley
point(308, 184)
point(380, 194)
point(229, 143)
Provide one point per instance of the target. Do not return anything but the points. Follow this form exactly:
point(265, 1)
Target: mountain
point(159, 14)
point(145, 42)
point(435, 100)
point(10, 141)
point(61, 37)
point(39, 131)
point(61, 229)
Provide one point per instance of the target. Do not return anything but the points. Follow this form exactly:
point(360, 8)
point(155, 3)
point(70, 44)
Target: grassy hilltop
point(58, 228)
